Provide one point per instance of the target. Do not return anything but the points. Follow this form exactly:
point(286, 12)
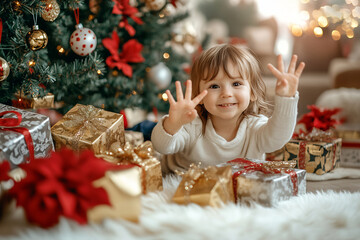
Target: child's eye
point(236, 84)
point(214, 86)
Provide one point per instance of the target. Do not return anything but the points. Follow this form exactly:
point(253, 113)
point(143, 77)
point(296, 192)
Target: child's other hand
point(183, 110)
point(287, 82)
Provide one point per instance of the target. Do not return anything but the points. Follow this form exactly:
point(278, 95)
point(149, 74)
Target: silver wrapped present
point(266, 183)
point(12, 144)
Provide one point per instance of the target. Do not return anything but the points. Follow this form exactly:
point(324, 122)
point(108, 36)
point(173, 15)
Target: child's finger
point(170, 96)
point(275, 71)
point(292, 64)
point(188, 90)
point(280, 63)
point(179, 93)
point(199, 97)
point(300, 69)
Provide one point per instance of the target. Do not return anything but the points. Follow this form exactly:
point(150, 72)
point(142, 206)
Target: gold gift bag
point(87, 127)
point(124, 190)
point(314, 157)
point(142, 156)
point(211, 186)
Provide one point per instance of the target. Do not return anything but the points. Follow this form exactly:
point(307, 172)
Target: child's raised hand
point(287, 82)
point(183, 110)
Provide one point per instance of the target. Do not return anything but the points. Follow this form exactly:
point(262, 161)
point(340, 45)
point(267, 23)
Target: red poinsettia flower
point(124, 8)
point(319, 118)
point(4, 169)
point(61, 185)
point(131, 53)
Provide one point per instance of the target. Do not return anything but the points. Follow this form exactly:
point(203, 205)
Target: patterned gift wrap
point(315, 157)
point(142, 156)
point(13, 146)
point(211, 186)
point(124, 191)
point(266, 183)
point(133, 137)
point(350, 150)
point(25, 102)
point(87, 127)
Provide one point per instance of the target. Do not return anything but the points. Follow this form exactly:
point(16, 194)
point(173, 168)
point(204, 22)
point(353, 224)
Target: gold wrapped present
point(350, 149)
point(87, 127)
point(315, 157)
point(27, 101)
point(142, 156)
point(124, 190)
point(133, 137)
point(266, 183)
point(211, 186)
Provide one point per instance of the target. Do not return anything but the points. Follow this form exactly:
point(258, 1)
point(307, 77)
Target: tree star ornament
point(36, 38)
point(4, 69)
point(51, 11)
point(83, 40)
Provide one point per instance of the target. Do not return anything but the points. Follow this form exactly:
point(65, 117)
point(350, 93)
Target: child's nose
point(226, 92)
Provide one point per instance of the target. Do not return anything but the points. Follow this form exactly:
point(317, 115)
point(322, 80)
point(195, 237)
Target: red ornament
point(131, 53)
point(122, 7)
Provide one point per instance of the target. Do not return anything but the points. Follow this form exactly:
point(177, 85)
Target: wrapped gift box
point(12, 144)
point(350, 150)
point(142, 156)
point(266, 183)
point(124, 190)
point(87, 127)
point(314, 157)
point(133, 137)
point(26, 101)
point(211, 186)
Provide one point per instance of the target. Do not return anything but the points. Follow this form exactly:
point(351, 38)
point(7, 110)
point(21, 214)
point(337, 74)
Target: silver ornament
point(83, 40)
point(160, 75)
point(4, 69)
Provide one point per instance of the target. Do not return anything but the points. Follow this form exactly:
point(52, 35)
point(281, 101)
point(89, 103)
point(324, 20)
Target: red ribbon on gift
point(253, 166)
point(11, 124)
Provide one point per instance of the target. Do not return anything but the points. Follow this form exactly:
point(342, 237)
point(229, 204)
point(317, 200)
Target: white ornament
point(160, 75)
point(83, 40)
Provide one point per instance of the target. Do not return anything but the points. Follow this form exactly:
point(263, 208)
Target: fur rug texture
point(323, 215)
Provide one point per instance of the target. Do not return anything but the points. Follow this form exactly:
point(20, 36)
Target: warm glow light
point(318, 32)
point(305, 15)
point(335, 34)
point(354, 23)
point(161, 15)
point(166, 55)
point(285, 11)
point(164, 97)
point(32, 63)
point(350, 33)
point(323, 22)
point(296, 30)
point(99, 72)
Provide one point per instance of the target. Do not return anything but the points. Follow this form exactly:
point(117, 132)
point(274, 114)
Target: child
point(224, 120)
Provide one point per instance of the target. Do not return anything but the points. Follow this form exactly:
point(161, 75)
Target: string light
point(339, 19)
point(32, 63)
point(99, 72)
point(166, 55)
point(60, 49)
point(164, 97)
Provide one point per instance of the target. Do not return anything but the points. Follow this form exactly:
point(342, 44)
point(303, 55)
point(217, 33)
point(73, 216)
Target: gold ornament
point(4, 69)
point(36, 38)
point(94, 6)
point(16, 5)
point(155, 5)
point(51, 11)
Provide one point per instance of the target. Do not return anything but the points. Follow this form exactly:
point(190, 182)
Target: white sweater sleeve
point(280, 126)
point(165, 143)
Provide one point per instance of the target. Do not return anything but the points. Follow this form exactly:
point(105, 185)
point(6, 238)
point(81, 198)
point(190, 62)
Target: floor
point(338, 185)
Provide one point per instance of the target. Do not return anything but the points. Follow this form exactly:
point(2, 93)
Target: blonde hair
point(207, 66)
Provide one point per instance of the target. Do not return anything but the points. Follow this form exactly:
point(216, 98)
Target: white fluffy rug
point(324, 215)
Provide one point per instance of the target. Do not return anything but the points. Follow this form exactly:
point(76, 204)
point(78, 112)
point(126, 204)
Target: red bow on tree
point(131, 53)
point(123, 7)
point(61, 185)
point(319, 118)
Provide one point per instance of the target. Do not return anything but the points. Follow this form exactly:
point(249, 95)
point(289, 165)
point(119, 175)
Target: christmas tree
point(119, 56)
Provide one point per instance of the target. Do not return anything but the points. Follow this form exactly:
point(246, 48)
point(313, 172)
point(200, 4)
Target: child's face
point(227, 98)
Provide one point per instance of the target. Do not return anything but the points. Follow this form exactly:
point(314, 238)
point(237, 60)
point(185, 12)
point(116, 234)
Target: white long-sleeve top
point(256, 136)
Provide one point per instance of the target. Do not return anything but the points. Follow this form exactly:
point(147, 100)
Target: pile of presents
point(28, 159)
